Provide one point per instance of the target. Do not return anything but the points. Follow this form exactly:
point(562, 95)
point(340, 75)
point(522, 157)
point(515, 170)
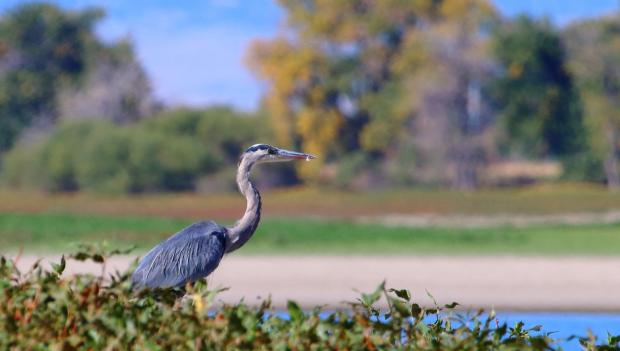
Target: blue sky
point(193, 50)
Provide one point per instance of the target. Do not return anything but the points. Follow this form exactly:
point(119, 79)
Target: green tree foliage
point(538, 103)
point(102, 160)
point(165, 153)
point(220, 129)
point(333, 85)
point(386, 92)
point(594, 48)
point(343, 75)
point(45, 309)
point(159, 161)
point(53, 67)
point(24, 168)
point(43, 48)
point(60, 155)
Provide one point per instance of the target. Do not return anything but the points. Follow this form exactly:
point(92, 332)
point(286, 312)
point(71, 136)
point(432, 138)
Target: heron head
point(264, 153)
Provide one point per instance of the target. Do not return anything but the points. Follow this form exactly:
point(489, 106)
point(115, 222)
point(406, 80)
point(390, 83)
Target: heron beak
point(285, 155)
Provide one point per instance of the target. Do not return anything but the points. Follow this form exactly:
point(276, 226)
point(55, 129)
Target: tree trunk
point(466, 157)
point(466, 175)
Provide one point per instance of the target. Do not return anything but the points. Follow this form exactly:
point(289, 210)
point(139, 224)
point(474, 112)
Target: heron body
point(196, 251)
point(188, 255)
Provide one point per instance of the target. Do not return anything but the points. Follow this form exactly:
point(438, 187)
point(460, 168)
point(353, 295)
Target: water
point(562, 324)
point(565, 324)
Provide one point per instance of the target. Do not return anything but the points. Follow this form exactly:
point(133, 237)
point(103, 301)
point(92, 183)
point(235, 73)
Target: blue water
point(562, 324)
point(565, 324)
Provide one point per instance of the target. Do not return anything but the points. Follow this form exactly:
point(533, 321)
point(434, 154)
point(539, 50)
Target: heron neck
point(242, 231)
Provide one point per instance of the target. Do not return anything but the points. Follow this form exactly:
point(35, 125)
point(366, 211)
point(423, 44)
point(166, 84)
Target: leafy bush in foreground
point(44, 309)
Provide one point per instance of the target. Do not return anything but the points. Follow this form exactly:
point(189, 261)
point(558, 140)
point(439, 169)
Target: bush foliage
point(44, 309)
point(166, 153)
point(423, 92)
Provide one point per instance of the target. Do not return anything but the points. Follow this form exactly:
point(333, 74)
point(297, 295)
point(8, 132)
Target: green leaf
point(536, 328)
point(401, 308)
point(370, 299)
point(613, 340)
point(80, 256)
point(122, 251)
point(403, 294)
point(415, 309)
point(59, 268)
point(92, 333)
point(294, 311)
point(452, 305)
point(431, 311)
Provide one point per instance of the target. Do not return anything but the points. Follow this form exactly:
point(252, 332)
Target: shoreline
point(503, 283)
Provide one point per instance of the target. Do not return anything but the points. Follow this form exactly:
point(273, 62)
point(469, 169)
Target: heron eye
point(271, 151)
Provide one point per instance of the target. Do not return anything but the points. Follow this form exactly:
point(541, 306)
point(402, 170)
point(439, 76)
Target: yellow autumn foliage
point(338, 73)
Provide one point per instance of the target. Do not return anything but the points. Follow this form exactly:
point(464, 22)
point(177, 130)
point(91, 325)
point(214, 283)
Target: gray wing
point(188, 255)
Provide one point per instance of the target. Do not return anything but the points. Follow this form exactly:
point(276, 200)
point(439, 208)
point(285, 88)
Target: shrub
point(228, 133)
point(22, 167)
point(43, 309)
point(167, 153)
point(220, 129)
point(60, 154)
point(182, 121)
point(163, 162)
point(102, 160)
point(351, 170)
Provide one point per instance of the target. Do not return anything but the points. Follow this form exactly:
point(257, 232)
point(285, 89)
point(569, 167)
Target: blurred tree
point(333, 89)
point(538, 103)
point(169, 152)
point(224, 132)
point(340, 73)
point(23, 168)
point(46, 48)
point(180, 162)
point(61, 155)
point(115, 88)
point(53, 66)
point(594, 48)
point(227, 132)
point(101, 158)
point(447, 93)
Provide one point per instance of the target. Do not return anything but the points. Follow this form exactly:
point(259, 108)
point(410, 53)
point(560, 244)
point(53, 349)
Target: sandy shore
point(503, 283)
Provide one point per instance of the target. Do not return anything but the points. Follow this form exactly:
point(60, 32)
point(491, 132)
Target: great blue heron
point(196, 251)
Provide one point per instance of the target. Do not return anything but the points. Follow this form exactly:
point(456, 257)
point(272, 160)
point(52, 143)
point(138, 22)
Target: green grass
point(53, 232)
